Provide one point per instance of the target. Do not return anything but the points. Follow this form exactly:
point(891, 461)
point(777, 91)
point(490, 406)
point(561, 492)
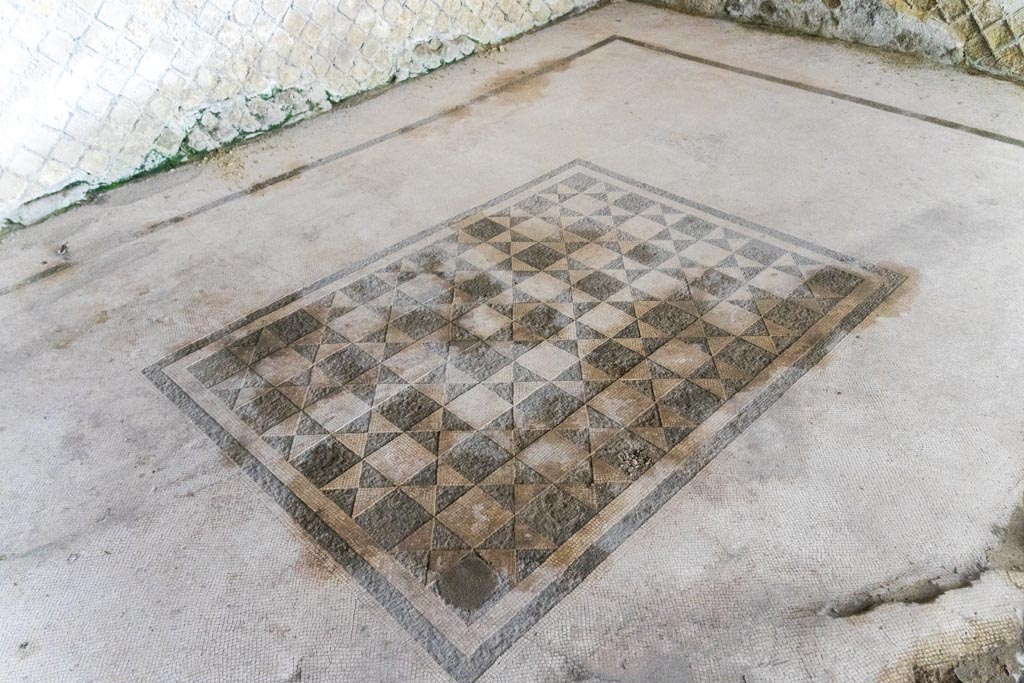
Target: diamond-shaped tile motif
point(476, 457)
point(479, 401)
point(392, 518)
point(544, 321)
point(600, 285)
point(539, 256)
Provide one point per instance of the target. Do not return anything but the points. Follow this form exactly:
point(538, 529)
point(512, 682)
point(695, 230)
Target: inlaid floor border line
point(446, 654)
point(827, 92)
point(554, 65)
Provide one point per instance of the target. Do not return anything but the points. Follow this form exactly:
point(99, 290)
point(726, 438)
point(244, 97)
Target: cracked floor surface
point(642, 350)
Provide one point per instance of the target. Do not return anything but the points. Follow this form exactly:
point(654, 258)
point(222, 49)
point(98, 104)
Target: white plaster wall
point(96, 91)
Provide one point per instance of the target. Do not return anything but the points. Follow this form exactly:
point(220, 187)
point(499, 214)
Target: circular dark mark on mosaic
point(468, 584)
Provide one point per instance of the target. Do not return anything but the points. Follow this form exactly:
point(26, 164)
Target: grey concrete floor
point(855, 531)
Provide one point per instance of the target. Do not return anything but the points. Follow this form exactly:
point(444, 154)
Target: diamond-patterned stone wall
point(95, 91)
point(987, 35)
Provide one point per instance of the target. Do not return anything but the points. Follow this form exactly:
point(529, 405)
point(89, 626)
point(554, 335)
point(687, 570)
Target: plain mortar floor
point(132, 548)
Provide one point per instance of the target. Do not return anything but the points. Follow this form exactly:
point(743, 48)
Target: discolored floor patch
point(471, 421)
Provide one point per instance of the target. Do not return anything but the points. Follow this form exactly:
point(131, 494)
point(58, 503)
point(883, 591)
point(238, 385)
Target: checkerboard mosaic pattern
point(470, 412)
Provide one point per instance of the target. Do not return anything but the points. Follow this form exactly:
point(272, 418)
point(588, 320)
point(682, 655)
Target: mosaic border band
point(464, 652)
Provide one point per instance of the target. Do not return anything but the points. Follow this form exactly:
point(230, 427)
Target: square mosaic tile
point(471, 421)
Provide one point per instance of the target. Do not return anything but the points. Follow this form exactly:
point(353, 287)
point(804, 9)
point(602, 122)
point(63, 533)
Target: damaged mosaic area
point(472, 411)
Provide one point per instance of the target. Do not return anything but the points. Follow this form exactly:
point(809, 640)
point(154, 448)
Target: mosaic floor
point(471, 421)
point(581, 360)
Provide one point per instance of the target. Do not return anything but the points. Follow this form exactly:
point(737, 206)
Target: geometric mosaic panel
point(471, 421)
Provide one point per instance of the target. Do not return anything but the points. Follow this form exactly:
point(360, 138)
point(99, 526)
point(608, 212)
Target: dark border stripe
point(806, 87)
point(35, 277)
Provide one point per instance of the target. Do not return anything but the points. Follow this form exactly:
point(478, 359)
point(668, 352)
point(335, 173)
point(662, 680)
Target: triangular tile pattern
point(486, 396)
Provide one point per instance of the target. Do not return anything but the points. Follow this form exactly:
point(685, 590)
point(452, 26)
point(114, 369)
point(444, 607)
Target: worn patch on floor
point(472, 421)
